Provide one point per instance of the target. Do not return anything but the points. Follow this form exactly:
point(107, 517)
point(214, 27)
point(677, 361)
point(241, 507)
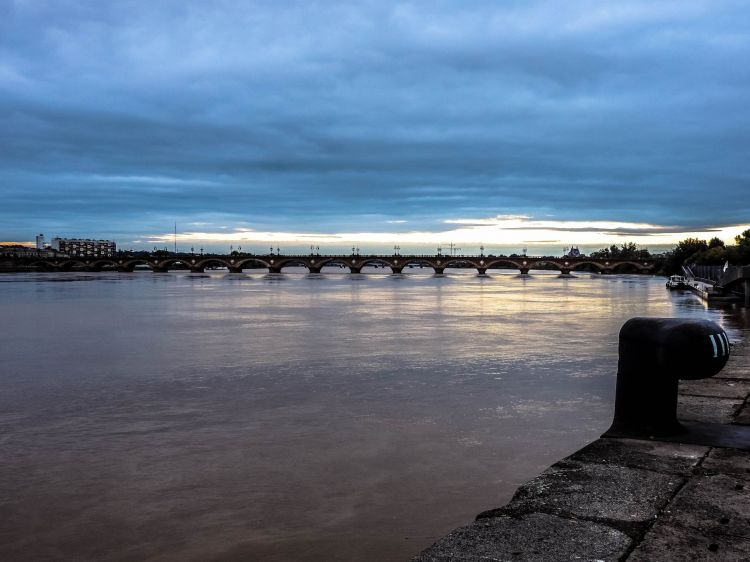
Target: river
point(246, 417)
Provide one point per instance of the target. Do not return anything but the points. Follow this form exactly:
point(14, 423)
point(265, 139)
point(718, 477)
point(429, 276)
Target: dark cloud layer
point(118, 118)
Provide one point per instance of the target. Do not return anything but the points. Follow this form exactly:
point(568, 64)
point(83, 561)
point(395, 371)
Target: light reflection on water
point(223, 416)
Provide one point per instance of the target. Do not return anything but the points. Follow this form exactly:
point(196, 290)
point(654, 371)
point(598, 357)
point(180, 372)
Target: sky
point(374, 123)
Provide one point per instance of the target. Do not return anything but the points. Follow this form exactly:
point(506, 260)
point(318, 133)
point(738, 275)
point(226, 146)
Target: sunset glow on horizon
point(498, 231)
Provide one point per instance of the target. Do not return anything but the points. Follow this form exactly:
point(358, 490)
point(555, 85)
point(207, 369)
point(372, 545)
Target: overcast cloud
point(118, 118)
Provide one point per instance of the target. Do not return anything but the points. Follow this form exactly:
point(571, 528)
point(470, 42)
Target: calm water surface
point(239, 417)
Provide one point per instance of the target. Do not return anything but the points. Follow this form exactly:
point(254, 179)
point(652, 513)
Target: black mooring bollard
point(655, 353)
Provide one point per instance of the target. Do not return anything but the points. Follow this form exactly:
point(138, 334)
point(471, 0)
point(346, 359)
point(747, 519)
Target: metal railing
point(707, 273)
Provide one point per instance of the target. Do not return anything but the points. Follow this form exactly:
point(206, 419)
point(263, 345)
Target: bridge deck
point(314, 263)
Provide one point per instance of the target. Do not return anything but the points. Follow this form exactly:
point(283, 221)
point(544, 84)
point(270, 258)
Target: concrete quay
point(629, 499)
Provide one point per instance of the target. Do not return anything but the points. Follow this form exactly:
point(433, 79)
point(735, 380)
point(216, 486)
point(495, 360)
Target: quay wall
point(631, 500)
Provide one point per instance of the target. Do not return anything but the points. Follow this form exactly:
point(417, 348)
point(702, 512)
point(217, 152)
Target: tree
point(715, 252)
point(685, 250)
point(715, 255)
point(628, 251)
point(740, 254)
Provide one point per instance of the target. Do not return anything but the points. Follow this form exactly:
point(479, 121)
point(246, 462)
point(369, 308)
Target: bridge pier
point(235, 270)
point(314, 269)
point(565, 271)
point(439, 270)
point(747, 292)
point(159, 269)
point(397, 269)
point(606, 272)
point(197, 270)
point(273, 269)
point(482, 271)
point(355, 269)
point(524, 271)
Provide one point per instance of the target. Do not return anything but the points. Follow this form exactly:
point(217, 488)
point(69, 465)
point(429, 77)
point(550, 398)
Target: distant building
point(574, 252)
point(20, 251)
point(40, 241)
point(84, 248)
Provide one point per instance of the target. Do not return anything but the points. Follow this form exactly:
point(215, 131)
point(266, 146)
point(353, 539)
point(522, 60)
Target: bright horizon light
point(504, 230)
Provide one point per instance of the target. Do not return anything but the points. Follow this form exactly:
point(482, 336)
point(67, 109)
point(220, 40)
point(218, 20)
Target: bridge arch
point(44, 264)
point(594, 265)
point(627, 267)
point(422, 262)
point(130, 265)
point(377, 262)
point(332, 262)
point(98, 265)
point(545, 265)
point(69, 264)
point(462, 263)
point(206, 262)
point(492, 263)
point(166, 264)
point(289, 262)
point(242, 263)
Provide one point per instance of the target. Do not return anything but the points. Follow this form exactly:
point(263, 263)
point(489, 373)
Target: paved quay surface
point(626, 499)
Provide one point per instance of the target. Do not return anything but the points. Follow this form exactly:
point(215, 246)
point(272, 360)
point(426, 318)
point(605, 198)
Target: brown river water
point(240, 417)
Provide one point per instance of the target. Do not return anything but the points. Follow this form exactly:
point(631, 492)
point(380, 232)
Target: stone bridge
point(354, 263)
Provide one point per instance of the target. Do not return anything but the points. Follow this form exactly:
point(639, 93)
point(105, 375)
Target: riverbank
point(634, 500)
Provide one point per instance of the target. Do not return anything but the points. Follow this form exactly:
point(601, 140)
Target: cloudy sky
point(374, 122)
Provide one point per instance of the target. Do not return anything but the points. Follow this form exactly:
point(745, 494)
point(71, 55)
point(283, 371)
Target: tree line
point(714, 252)
point(689, 251)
